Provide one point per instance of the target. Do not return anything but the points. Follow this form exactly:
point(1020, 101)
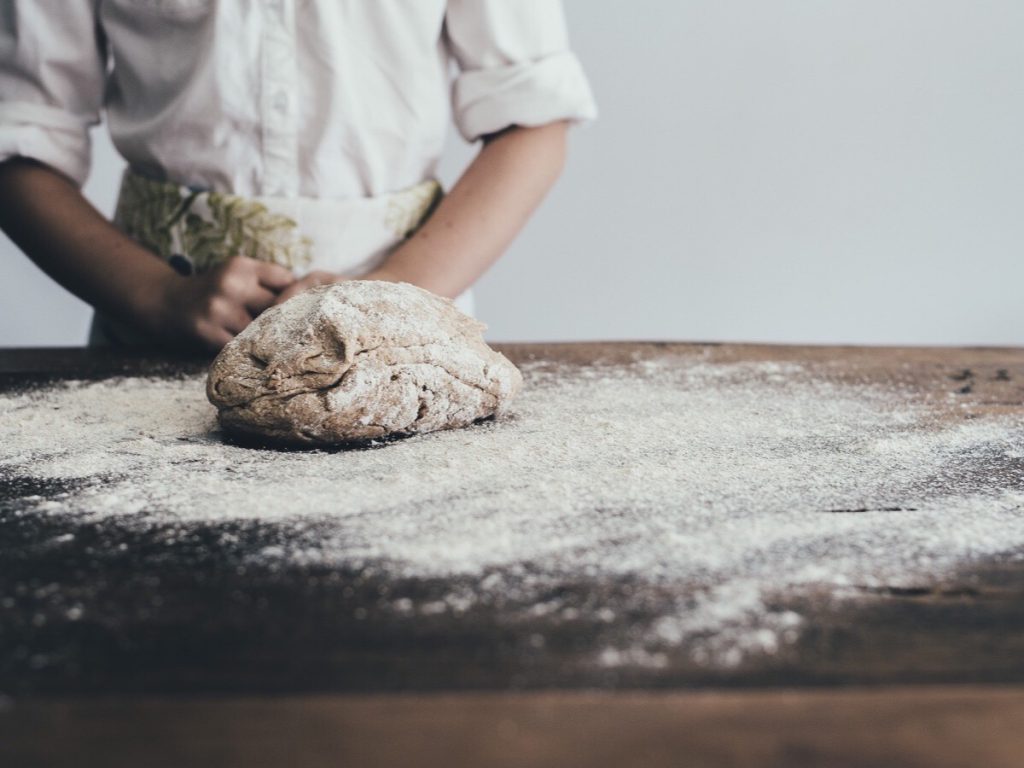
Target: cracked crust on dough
point(358, 360)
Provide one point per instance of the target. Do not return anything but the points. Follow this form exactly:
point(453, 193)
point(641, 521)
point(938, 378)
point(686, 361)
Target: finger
point(238, 320)
point(273, 276)
point(259, 299)
point(293, 290)
point(284, 296)
point(213, 336)
point(229, 315)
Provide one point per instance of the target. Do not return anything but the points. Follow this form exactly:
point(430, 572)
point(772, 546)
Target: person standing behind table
point(274, 145)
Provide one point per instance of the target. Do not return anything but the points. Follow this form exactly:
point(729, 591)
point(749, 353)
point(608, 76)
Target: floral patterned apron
point(195, 230)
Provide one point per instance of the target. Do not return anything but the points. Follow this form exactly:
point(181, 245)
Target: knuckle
point(231, 282)
point(214, 306)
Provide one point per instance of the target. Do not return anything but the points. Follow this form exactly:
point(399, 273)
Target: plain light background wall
point(765, 170)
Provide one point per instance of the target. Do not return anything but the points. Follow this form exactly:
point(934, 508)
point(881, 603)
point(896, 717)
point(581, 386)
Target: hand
point(215, 306)
point(320, 277)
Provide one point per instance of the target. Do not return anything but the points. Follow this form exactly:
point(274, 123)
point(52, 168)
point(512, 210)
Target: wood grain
point(905, 727)
point(217, 667)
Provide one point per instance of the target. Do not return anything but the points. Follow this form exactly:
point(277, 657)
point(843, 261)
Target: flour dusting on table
point(716, 487)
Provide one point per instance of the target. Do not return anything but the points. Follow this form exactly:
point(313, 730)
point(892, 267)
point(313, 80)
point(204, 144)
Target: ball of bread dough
point(358, 360)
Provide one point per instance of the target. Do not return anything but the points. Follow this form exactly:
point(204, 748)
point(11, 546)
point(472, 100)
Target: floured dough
point(357, 360)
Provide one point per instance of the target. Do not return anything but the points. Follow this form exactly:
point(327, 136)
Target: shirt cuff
point(528, 94)
point(48, 135)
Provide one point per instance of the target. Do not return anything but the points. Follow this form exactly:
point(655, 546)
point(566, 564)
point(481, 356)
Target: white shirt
point(313, 98)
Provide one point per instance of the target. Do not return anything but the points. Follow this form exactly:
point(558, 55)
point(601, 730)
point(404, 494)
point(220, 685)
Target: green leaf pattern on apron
point(206, 228)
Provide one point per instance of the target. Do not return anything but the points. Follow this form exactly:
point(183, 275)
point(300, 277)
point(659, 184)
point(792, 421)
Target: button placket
point(280, 149)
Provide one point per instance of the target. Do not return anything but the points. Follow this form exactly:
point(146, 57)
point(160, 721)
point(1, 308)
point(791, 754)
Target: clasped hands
point(215, 306)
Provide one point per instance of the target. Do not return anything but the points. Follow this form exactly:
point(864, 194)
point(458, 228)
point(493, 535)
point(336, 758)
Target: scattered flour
point(720, 484)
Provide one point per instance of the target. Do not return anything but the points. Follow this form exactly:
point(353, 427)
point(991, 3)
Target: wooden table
point(265, 669)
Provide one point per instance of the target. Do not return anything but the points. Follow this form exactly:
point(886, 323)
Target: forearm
point(49, 219)
point(478, 219)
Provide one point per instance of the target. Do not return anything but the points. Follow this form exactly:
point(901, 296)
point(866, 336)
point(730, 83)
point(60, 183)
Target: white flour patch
point(716, 486)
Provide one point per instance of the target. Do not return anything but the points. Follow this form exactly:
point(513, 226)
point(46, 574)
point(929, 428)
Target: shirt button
point(281, 101)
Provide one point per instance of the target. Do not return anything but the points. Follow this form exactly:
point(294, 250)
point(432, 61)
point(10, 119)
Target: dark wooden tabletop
point(266, 667)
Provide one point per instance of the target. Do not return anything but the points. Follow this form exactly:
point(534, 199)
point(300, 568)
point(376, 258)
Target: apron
point(195, 230)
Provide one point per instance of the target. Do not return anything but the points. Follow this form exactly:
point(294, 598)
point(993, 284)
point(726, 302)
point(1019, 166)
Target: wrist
point(158, 299)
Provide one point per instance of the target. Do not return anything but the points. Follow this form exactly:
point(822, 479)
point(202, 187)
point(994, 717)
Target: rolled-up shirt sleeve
point(52, 79)
point(515, 66)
